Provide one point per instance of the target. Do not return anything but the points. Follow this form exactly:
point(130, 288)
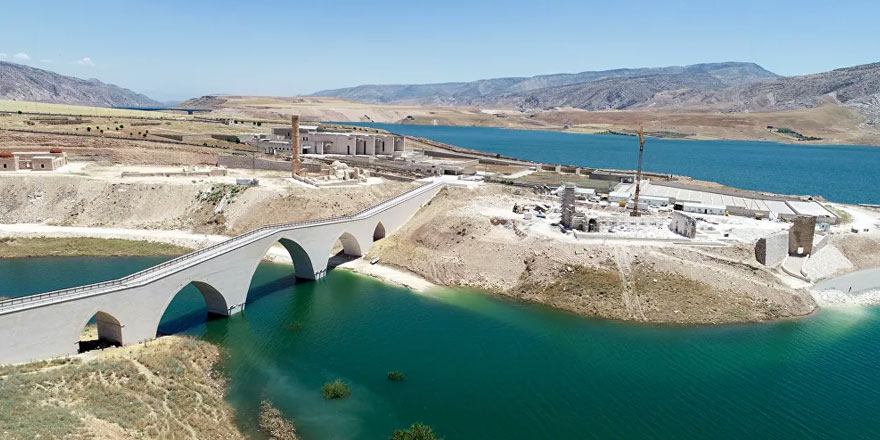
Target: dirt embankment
point(69, 200)
point(456, 241)
point(165, 389)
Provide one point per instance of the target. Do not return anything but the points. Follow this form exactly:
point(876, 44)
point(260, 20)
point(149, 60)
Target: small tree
point(259, 124)
point(88, 128)
point(418, 431)
point(19, 112)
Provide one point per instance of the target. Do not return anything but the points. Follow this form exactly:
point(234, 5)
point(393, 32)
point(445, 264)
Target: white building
point(702, 208)
point(313, 140)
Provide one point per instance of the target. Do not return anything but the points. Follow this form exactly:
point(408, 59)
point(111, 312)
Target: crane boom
point(635, 211)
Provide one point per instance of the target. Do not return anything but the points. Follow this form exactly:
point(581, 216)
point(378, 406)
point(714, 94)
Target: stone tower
point(568, 207)
point(295, 162)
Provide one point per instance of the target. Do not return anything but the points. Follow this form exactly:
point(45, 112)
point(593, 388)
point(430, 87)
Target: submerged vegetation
point(336, 390)
point(396, 376)
point(418, 431)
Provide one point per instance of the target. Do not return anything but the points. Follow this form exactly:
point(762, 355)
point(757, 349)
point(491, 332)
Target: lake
point(841, 173)
point(478, 367)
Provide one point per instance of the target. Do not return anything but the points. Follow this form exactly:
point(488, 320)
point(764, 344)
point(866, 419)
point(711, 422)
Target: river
point(840, 173)
point(478, 367)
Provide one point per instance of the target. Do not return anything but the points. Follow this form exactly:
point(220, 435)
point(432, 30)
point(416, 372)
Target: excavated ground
point(453, 241)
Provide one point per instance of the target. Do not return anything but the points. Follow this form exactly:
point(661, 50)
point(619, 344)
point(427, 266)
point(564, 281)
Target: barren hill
point(25, 83)
point(541, 88)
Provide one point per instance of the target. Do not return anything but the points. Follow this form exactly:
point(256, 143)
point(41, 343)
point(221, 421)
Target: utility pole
point(635, 211)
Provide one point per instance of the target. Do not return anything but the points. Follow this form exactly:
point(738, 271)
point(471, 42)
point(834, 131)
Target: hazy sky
point(180, 49)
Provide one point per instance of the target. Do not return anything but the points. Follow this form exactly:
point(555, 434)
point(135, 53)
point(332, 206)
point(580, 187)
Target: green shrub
point(336, 390)
point(88, 128)
point(418, 431)
point(19, 112)
point(396, 376)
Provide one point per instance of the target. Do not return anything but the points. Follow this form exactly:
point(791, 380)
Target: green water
point(479, 367)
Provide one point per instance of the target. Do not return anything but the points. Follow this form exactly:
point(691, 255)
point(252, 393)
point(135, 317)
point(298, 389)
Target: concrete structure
point(814, 210)
point(128, 310)
point(313, 140)
point(683, 224)
point(772, 249)
point(736, 202)
point(800, 235)
point(33, 160)
point(702, 208)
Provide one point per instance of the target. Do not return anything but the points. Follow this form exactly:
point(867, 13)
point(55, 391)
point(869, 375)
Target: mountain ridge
point(485, 90)
point(25, 83)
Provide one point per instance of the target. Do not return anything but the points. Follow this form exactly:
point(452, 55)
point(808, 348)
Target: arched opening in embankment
point(191, 308)
point(379, 232)
point(101, 331)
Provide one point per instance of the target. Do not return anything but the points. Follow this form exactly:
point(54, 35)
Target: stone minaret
point(295, 163)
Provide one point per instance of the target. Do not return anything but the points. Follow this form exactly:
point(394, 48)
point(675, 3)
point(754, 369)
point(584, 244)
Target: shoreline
point(605, 132)
point(385, 273)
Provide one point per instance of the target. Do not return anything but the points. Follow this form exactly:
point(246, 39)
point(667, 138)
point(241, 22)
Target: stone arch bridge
point(128, 310)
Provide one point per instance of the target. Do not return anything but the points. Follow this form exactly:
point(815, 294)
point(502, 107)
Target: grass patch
point(417, 431)
point(844, 216)
point(138, 389)
point(336, 390)
point(396, 376)
point(84, 246)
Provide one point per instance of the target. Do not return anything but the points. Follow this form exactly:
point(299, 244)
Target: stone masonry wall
point(772, 249)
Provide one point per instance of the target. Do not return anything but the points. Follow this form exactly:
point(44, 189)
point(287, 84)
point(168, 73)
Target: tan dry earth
point(452, 242)
point(833, 123)
point(164, 389)
point(175, 203)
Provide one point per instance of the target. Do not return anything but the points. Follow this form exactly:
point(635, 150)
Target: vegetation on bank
point(417, 431)
point(336, 390)
point(84, 246)
point(790, 132)
point(158, 390)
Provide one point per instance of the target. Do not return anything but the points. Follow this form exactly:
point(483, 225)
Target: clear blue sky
point(180, 49)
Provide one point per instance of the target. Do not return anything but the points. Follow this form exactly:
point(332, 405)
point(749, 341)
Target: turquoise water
point(478, 367)
point(841, 173)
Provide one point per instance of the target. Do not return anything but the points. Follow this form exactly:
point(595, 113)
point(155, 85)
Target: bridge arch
point(379, 232)
point(302, 262)
point(350, 245)
point(109, 332)
point(215, 302)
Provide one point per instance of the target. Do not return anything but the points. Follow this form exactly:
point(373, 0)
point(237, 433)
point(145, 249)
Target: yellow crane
point(635, 211)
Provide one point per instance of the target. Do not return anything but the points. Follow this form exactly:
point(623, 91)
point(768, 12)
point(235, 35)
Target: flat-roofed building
point(702, 208)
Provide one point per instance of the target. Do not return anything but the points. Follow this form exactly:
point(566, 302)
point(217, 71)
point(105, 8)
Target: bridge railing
point(13, 302)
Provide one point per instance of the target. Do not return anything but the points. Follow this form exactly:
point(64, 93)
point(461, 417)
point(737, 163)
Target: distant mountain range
point(729, 87)
point(25, 83)
point(594, 90)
